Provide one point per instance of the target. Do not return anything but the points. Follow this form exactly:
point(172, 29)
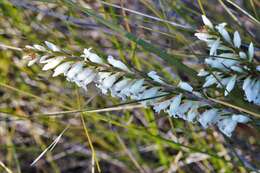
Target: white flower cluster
point(189, 111)
point(229, 62)
point(113, 76)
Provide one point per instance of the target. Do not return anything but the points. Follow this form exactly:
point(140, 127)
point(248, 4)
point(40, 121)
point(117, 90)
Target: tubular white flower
point(192, 114)
point(108, 82)
point(214, 47)
point(230, 85)
point(176, 101)
point(119, 86)
point(30, 47)
point(92, 56)
point(242, 55)
point(237, 40)
point(83, 74)
point(208, 117)
point(52, 63)
point(62, 68)
point(207, 22)
point(202, 72)
point(118, 64)
point(258, 68)
point(223, 32)
point(149, 93)
point(52, 46)
point(33, 61)
point(237, 69)
point(227, 126)
point(251, 51)
point(155, 77)
point(137, 86)
point(240, 118)
point(39, 47)
point(44, 59)
point(185, 86)
point(210, 80)
point(204, 36)
point(74, 70)
point(183, 109)
point(158, 107)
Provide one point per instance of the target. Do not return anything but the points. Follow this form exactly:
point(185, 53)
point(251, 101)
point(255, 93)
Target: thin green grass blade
point(178, 66)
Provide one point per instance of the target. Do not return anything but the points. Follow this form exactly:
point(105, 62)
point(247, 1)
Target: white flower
point(149, 93)
point(210, 80)
point(240, 118)
point(89, 79)
point(119, 86)
point(30, 47)
point(230, 85)
point(242, 55)
point(152, 92)
point(246, 83)
point(229, 55)
point(62, 68)
point(44, 59)
point(251, 88)
point(185, 86)
point(183, 108)
point(92, 56)
point(52, 46)
point(176, 101)
point(103, 75)
point(33, 61)
point(214, 47)
point(155, 77)
point(193, 112)
point(137, 86)
point(207, 22)
point(202, 72)
point(118, 64)
point(125, 91)
point(215, 63)
point(74, 70)
point(84, 77)
point(52, 63)
point(223, 82)
point(223, 32)
point(227, 126)
point(84, 74)
point(258, 68)
point(161, 106)
point(108, 82)
point(237, 40)
point(237, 69)
point(208, 117)
point(39, 47)
point(251, 51)
point(204, 36)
